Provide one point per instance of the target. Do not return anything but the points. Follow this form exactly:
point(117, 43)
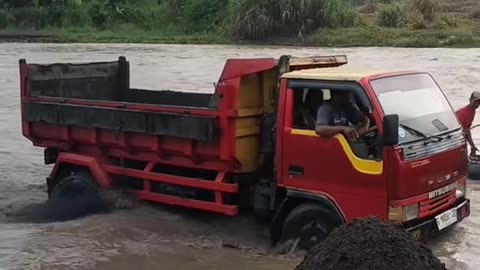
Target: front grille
point(418, 150)
point(433, 206)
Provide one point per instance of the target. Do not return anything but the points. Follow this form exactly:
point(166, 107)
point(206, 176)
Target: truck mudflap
point(431, 226)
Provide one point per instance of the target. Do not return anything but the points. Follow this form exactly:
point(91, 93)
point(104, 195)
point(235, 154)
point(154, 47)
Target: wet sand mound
point(370, 244)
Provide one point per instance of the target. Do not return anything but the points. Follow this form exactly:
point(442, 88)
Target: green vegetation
point(418, 23)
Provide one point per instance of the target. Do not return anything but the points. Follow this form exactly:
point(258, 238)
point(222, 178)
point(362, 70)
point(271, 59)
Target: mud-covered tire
point(74, 196)
point(474, 171)
point(308, 222)
point(74, 185)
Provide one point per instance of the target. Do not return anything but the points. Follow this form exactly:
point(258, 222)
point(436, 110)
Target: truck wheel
point(474, 172)
point(74, 196)
point(309, 223)
point(73, 185)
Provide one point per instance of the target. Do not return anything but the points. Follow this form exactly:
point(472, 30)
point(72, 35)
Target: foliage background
point(251, 20)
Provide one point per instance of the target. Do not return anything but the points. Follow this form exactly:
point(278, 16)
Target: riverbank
point(467, 34)
point(325, 23)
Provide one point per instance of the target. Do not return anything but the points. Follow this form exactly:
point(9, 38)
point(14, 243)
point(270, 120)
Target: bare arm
point(364, 125)
point(468, 136)
point(328, 131)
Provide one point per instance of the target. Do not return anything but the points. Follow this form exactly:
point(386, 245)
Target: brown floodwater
point(152, 237)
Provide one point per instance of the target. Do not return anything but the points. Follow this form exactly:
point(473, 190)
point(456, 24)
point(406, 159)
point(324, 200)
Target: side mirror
point(390, 130)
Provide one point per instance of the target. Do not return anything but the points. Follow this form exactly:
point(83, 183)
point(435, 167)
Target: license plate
point(446, 219)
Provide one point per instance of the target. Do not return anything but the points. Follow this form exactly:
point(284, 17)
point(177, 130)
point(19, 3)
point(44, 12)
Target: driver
point(334, 117)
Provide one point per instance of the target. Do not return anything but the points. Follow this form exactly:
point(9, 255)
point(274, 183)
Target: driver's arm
point(357, 117)
point(327, 131)
point(324, 124)
point(365, 125)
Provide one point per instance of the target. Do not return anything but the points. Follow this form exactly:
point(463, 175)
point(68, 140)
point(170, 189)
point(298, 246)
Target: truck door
point(352, 175)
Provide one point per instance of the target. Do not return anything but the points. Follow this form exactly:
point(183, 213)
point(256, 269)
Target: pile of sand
point(370, 244)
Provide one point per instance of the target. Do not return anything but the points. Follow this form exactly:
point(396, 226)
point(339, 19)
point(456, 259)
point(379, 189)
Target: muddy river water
point(148, 237)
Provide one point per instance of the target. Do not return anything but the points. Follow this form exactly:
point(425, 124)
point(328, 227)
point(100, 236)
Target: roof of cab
point(333, 74)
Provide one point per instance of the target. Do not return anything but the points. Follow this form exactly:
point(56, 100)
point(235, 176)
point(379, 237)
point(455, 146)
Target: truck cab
point(409, 168)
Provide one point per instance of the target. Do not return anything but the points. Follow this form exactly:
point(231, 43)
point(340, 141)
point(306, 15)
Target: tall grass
point(256, 19)
point(251, 19)
point(392, 15)
point(370, 7)
point(427, 8)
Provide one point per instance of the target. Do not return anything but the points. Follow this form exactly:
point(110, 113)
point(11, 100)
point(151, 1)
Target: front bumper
point(427, 228)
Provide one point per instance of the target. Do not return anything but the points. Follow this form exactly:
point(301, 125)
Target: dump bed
point(90, 109)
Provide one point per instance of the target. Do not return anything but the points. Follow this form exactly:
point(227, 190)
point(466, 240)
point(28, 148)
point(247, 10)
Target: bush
point(5, 19)
point(160, 16)
point(448, 20)
point(369, 8)
point(351, 18)
point(26, 17)
point(130, 14)
point(415, 21)
point(428, 8)
point(392, 15)
point(53, 15)
point(99, 13)
point(202, 15)
point(76, 14)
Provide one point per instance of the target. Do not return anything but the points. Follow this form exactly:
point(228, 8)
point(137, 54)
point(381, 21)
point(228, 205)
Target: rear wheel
point(309, 223)
point(75, 196)
point(73, 185)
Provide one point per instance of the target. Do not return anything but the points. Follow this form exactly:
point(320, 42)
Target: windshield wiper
point(421, 134)
point(414, 131)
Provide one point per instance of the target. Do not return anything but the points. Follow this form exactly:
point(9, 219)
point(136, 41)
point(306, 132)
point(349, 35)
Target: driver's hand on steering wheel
point(362, 131)
point(350, 133)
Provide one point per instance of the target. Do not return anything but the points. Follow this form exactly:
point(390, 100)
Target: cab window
point(307, 101)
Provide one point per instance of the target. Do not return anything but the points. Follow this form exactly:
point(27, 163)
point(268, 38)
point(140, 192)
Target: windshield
point(419, 103)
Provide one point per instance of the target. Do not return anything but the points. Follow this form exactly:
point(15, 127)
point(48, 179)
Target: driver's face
point(342, 97)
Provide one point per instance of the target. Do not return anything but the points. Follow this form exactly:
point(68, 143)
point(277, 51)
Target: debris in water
point(118, 199)
point(370, 244)
point(63, 209)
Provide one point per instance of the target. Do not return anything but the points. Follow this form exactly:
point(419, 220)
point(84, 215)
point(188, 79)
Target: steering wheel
point(371, 131)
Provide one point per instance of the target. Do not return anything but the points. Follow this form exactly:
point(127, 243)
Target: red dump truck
point(246, 147)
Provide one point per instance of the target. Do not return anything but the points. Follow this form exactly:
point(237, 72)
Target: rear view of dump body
point(185, 149)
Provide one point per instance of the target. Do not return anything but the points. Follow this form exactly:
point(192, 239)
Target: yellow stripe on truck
point(362, 165)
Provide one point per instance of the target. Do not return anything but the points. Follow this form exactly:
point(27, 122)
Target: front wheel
point(309, 223)
point(474, 171)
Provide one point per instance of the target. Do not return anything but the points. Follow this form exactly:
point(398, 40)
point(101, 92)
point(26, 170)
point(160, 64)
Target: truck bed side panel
point(184, 126)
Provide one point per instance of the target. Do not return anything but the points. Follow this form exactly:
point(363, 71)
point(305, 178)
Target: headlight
point(398, 214)
point(410, 212)
point(461, 190)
